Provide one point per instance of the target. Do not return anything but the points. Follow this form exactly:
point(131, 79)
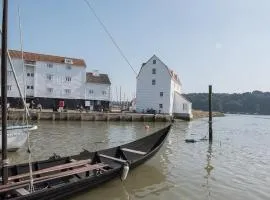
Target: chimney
point(95, 72)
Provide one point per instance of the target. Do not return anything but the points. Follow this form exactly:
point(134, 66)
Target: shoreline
point(202, 114)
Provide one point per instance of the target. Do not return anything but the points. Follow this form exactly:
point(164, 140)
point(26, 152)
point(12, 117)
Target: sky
point(225, 43)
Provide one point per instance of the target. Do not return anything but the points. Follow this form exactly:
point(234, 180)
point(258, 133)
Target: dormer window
point(154, 71)
point(154, 62)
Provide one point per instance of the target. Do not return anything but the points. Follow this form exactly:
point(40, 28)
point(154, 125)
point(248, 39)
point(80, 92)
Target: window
point(30, 87)
point(161, 94)
point(104, 92)
point(32, 74)
point(154, 62)
point(154, 71)
point(153, 82)
point(160, 105)
point(49, 77)
point(68, 78)
point(9, 87)
point(28, 74)
point(68, 67)
point(185, 106)
point(49, 65)
point(67, 91)
point(50, 90)
point(91, 91)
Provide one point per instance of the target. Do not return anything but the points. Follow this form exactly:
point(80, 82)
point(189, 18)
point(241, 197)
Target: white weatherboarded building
point(97, 91)
point(159, 90)
point(51, 79)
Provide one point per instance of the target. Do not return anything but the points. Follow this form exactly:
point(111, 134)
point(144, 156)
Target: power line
point(110, 36)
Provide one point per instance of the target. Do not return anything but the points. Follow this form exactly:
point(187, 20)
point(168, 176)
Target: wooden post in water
point(210, 113)
point(4, 92)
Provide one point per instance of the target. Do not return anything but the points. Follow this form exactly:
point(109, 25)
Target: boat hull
point(16, 136)
point(134, 156)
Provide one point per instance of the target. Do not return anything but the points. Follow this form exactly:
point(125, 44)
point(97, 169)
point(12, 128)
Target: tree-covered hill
point(250, 102)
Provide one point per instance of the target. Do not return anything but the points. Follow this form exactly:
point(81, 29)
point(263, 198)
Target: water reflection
point(208, 168)
point(141, 182)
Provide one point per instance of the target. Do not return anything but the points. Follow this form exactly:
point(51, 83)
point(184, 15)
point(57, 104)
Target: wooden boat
point(60, 177)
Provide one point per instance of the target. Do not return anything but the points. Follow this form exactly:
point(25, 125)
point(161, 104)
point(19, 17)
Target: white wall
point(148, 95)
point(14, 92)
point(181, 105)
point(59, 83)
point(97, 92)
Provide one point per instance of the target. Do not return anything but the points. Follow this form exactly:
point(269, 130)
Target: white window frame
point(67, 91)
point(49, 77)
point(50, 90)
point(68, 67)
point(50, 65)
point(68, 78)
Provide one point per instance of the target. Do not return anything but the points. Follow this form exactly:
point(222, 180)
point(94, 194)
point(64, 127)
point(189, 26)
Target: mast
point(4, 92)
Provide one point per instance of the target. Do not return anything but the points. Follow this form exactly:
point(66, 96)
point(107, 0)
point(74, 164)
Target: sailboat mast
point(4, 92)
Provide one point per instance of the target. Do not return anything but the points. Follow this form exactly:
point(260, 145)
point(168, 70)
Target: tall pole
point(120, 98)
point(116, 94)
point(4, 92)
point(210, 113)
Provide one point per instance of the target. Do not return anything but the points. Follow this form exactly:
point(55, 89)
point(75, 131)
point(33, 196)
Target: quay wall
point(91, 116)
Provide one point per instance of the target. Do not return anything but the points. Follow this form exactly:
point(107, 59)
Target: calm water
point(236, 166)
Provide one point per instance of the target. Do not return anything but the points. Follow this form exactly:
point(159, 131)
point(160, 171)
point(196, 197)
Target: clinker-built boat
point(60, 177)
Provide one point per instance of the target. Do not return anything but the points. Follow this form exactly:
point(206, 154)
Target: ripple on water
point(236, 165)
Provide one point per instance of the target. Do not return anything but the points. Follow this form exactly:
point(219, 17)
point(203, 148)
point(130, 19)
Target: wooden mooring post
point(210, 114)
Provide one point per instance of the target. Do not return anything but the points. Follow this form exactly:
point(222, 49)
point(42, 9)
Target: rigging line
point(31, 183)
point(22, 57)
point(16, 80)
point(110, 36)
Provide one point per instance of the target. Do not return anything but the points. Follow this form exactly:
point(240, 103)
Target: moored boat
point(16, 136)
point(60, 177)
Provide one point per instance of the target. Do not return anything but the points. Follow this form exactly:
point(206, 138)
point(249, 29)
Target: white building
point(48, 80)
point(97, 90)
point(159, 90)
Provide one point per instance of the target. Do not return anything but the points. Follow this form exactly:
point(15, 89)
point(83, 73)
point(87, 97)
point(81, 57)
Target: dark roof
point(28, 56)
point(100, 78)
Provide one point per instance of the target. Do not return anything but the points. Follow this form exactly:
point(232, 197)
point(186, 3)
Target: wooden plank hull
point(63, 187)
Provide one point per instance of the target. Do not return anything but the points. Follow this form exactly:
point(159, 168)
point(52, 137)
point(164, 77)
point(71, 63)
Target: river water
point(236, 165)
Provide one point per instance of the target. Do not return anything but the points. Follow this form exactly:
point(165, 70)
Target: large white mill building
point(159, 90)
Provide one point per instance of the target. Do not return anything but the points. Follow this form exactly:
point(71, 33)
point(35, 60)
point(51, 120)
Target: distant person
point(32, 104)
point(39, 106)
point(8, 106)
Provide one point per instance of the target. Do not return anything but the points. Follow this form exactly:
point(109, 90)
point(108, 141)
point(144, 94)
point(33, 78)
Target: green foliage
point(250, 102)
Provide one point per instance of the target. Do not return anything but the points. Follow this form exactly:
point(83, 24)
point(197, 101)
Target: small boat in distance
point(16, 136)
point(60, 177)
